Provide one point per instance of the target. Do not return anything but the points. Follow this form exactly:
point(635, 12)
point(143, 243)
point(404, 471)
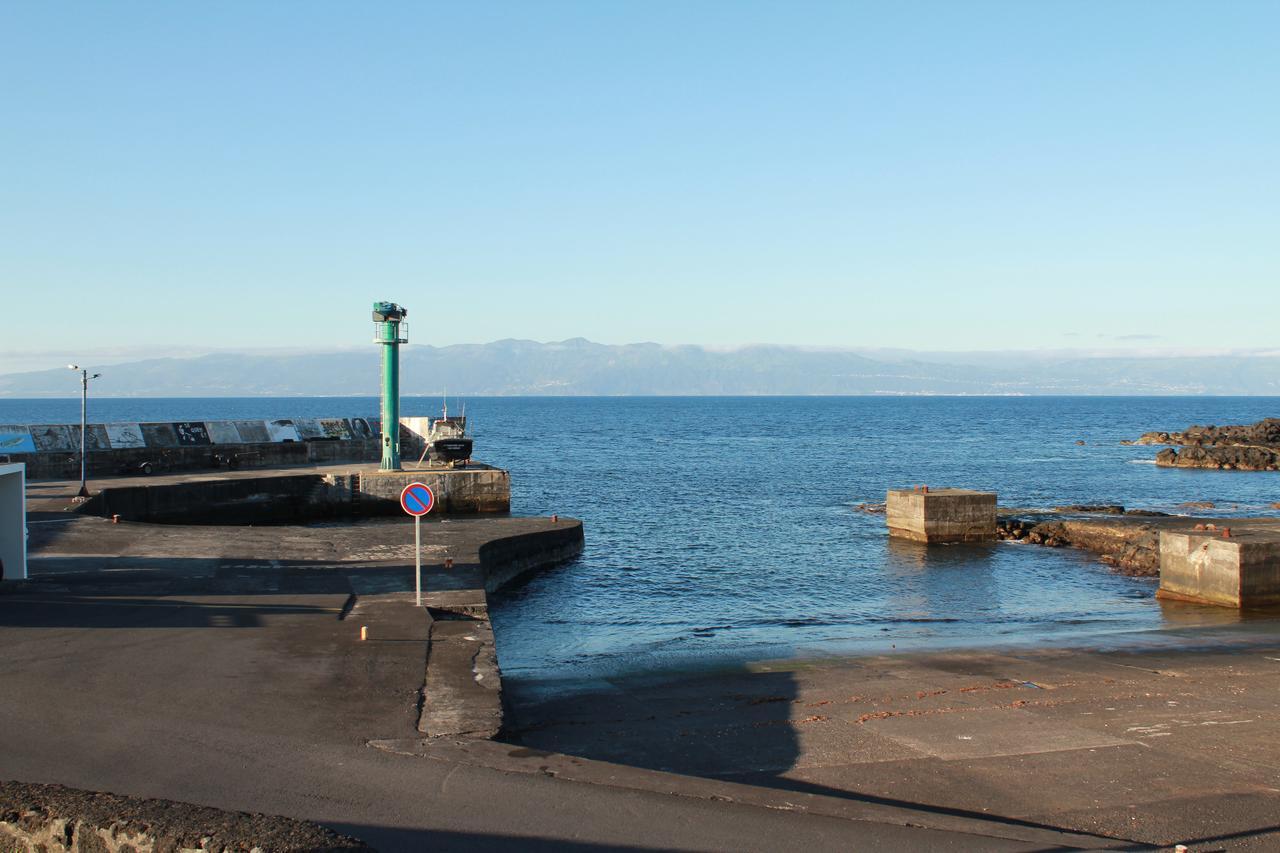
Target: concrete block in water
point(941, 515)
point(1242, 570)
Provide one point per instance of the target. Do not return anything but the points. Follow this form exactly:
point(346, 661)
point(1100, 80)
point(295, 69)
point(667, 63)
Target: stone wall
point(507, 559)
point(52, 451)
point(293, 498)
point(55, 819)
point(475, 488)
point(275, 499)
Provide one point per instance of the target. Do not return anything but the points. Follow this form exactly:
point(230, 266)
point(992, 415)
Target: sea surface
point(724, 530)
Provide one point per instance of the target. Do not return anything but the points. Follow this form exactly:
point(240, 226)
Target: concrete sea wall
point(52, 451)
point(507, 559)
point(476, 488)
point(281, 498)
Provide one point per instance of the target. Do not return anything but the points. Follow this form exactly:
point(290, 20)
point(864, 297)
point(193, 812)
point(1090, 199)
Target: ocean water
point(721, 530)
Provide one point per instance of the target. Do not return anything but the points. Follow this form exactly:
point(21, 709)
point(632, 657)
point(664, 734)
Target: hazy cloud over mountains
point(580, 367)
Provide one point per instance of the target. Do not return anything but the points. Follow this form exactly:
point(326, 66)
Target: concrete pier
point(935, 516)
point(475, 488)
point(274, 495)
point(1239, 570)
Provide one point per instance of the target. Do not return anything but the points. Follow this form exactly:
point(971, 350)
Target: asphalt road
point(267, 702)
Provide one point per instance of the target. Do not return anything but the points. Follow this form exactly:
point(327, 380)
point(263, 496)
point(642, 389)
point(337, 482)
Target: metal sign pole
point(417, 499)
point(417, 557)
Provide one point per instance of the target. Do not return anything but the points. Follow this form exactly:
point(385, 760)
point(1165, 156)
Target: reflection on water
point(1183, 614)
point(909, 556)
point(941, 582)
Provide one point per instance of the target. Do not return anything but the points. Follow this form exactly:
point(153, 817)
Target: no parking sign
point(417, 499)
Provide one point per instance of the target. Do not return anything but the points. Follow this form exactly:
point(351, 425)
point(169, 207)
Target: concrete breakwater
point(367, 566)
point(1230, 562)
point(1233, 447)
point(1130, 543)
point(51, 451)
point(1128, 540)
point(285, 495)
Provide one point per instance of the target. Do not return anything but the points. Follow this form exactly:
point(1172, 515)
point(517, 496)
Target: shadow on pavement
point(735, 725)
point(387, 839)
point(121, 611)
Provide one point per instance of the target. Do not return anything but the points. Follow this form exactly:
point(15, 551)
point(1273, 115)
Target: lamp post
point(84, 427)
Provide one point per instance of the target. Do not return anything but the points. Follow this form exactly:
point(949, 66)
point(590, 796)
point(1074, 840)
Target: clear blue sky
point(957, 175)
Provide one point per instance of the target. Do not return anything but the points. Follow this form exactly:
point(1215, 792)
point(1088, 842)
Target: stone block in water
point(937, 516)
point(1238, 570)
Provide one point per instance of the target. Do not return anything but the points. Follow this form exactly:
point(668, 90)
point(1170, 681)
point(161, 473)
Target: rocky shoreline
point(1233, 447)
point(1127, 540)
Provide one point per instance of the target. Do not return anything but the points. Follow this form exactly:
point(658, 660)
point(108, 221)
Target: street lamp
point(84, 427)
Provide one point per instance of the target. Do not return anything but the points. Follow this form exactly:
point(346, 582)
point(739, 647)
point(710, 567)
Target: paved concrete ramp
point(462, 695)
point(988, 732)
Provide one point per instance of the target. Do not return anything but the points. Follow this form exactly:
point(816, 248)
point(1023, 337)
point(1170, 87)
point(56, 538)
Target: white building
point(13, 521)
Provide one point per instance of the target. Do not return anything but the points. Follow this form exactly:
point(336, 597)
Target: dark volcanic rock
point(55, 818)
point(1106, 509)
point(1223, 457)
point(1248, 447)
point(1130, 547)
point(1265, 432)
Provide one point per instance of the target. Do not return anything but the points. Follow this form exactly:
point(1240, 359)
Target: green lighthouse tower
point(387, 317)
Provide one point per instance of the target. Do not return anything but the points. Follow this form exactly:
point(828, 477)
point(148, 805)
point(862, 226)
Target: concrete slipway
point(223, 666)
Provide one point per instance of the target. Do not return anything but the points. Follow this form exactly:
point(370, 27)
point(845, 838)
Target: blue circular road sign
point(417, 499)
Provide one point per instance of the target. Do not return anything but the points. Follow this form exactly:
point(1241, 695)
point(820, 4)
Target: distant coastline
point(581, 368)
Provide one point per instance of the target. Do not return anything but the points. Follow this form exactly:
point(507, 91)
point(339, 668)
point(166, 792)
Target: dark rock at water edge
point(1221, 458)
point(1131, 548)
point(1265, 432)
point(1105, 509)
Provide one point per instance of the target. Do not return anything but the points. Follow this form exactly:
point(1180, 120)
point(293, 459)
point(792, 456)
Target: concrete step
point(463, 691)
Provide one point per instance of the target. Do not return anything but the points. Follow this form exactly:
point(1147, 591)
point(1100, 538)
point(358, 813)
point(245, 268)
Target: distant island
point(581, 367)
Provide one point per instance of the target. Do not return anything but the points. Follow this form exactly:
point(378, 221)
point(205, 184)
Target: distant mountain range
point(580, 367)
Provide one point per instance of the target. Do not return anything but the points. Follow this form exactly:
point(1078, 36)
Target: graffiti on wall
point(16, 439)
point(65, 438)
point(252, 432)
point(308, 428)
point(191, 433)
point(95, 437)
point(283, 430)
point(336, 428)
point(223, 432)
point(125, 435)
point(52, 438)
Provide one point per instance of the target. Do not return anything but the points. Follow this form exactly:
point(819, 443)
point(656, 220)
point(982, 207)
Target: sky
point(180, 177)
